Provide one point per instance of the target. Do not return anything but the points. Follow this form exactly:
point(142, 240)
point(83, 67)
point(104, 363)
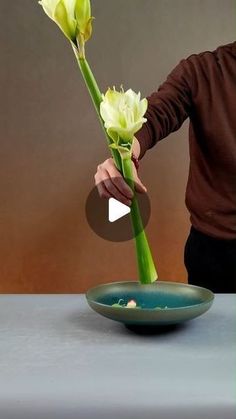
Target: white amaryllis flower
point(72, 16)
point(122, 113)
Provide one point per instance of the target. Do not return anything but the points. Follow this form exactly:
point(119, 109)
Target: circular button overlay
point(111, 220)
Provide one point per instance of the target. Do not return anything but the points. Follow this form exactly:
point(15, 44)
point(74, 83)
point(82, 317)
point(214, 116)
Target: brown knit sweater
point(203, 88)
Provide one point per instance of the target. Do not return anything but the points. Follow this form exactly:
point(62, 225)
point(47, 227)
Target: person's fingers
point(139, 186)
point(118, 180)
point(102, 191)
point(110, 182)
point(107, 189)
point(112, 189)
point(110, 166)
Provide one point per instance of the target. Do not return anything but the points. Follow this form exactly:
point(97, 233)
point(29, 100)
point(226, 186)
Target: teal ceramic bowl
point(176, 302)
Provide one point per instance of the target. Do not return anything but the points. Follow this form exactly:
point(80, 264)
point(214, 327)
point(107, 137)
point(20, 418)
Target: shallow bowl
point(160, 303)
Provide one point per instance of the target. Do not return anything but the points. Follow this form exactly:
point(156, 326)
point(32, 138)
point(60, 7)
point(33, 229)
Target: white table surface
point(61, 360)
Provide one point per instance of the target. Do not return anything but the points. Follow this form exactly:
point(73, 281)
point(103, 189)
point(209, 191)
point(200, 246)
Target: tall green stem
point(96, 99)
point(146, 267)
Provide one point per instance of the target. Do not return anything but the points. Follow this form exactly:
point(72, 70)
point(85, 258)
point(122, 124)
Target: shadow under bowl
point(160, 303)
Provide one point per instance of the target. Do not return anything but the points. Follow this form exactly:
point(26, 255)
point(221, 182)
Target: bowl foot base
point(155, 329)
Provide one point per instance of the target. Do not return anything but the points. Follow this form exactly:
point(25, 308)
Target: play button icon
point(116, 210)
point(110, 218)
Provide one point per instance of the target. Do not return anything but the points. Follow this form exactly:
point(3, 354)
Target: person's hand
point(111, 184)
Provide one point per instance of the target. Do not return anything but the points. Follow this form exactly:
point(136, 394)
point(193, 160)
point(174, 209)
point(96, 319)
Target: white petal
point(123, 112)
point(70, 7)
point(49, 6)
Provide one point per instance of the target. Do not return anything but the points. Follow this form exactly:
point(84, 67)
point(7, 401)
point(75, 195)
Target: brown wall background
point(51, 141)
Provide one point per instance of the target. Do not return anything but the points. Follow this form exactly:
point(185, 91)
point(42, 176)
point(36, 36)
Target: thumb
point(139, 186)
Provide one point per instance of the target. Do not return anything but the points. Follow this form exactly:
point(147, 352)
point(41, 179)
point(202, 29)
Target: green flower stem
point(96, 99)
point(146, 267)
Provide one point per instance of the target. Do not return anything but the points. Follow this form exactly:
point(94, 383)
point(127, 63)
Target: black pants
point(210, 262)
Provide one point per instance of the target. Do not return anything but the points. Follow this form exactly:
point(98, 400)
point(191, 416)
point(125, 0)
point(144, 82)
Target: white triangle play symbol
point(116, 209)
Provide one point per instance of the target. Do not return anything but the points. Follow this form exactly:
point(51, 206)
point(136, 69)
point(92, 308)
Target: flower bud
point(72, 16)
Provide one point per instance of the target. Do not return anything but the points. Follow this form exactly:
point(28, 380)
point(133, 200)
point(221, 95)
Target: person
point(202, 87)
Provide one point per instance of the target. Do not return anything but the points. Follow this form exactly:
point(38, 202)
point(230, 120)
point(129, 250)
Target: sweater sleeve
point(168, 107)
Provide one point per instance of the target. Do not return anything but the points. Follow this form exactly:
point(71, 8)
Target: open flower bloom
point(122, 113)
point(72, 16)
